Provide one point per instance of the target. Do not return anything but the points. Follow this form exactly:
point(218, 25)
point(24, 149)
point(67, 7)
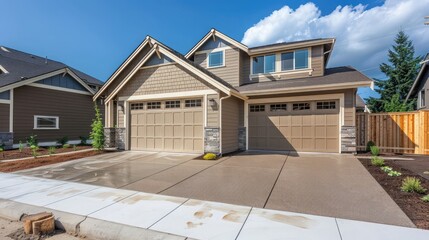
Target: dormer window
point(294, 60)
point(216, 59)
point(264, 64)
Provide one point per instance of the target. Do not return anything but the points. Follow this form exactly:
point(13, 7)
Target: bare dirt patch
point(42, 161)
point(410, 203)
point(26, 152)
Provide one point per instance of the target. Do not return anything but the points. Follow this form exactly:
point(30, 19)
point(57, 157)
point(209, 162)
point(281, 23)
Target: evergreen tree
point(401, 71)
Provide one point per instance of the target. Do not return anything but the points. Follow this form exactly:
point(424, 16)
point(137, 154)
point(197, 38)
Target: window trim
point(214, 51)
point(57, 123)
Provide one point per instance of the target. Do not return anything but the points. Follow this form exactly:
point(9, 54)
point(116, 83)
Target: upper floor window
point(264, 64)
point(215, 59)
point(294, 60)
point(422, 98)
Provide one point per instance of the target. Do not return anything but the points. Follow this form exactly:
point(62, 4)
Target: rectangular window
point(258, 65)
point(193, 103)
point(172, 104)
point(270, 64)
point(422, 98)
point(257, 108)
point(326, 105)
point(154, 105)
point(137, 106)
point(301, 106)
point(46, 122)
point(264, 64)
point(215, 59)
point(278, 107)
point(294, 60)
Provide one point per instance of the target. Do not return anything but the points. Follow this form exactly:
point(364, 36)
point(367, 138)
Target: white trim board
point(168, 95)
point(11, 111)
point(39, 85)
point(4, 101)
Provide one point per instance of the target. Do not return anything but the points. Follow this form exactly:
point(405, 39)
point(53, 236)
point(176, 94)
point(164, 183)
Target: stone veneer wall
point(120, 136)
point(348, 139)
point(212, 140)
point(242, 138)
point(109, 137)
point(6, 139)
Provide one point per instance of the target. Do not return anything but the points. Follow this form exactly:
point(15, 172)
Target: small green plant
point(62, 141)
point(425, 198)
point(97, 133)
point(32, 141)
point(412, 184)
point(66, 145)
point(369, 144)
point(34, 149)
point(2, 150)
point(209, 156)
point(21, 146)
point(51, 150)
point(394, 174)
point(74, 147)
point(386, 169)
point(375, 151)
point(83, 140)
point(377, 161)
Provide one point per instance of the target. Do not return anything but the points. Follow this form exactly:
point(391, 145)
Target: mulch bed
point(26, 152)
point(410, 203)
point(41, 161)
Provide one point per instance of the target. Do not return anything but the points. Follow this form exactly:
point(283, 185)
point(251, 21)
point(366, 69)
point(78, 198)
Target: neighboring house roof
point(425, 65)
point(334, 78)
point(21, 66)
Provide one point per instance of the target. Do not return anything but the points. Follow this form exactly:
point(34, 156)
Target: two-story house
point(420, 87)
point(224, 96)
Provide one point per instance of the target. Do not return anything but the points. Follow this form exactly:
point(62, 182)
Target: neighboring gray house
point(223, 96)
point(42, 97)
point(420, 88)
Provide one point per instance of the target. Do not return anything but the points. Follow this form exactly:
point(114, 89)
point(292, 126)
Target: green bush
point(209, 156)
point(386, 169)
point(66, 145)
point(369, 144)
point(21, 146)
point(377, 161)
point(375, 151)
point(412, 184)
point(51, 150)
point(425, 198)
point(32, 141)
point(34, 149)
point(2, 150)
point(74, 147)
point(97, 133)
point(62, 141)
point(394, 174)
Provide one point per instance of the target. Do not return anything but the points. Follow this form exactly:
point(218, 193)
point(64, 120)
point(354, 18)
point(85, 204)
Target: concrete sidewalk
point(108, 213)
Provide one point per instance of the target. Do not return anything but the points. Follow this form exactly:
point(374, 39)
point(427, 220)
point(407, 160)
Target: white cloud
point(363, 34)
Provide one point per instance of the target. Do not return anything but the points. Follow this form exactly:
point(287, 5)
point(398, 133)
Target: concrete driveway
point(322, 184)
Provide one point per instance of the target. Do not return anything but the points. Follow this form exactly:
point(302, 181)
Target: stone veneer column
point(242, 138)
point(120, 136)
point(109, 137)
point(348, 139)
point(6, 139)
point(212, 140)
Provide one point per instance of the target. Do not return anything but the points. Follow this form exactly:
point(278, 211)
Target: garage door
point(300, 126)
point(173, 125)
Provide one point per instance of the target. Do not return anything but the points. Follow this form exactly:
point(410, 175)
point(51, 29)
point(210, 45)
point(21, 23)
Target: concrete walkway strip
point(107, 213)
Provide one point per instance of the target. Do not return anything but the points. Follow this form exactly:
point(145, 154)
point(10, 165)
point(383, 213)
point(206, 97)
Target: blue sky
point(96, 36)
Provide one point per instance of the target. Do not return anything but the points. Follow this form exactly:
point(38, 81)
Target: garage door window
point(172, 104)
point(278, 107)
point(301, 106)
point(137, 106)
point(193, 103)
point(326, 105)
point(257, 108)
point(154, 105)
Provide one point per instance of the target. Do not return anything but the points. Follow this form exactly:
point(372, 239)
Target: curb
point(41, 156)
point(83, 226)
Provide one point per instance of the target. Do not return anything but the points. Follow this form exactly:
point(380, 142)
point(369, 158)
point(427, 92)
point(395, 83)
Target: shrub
point(74, 147)
point(97, 133)
point(32, 141)
point(62, 141)
point(386, 169)
point(83, 140)
point(2, 150)
point(209, 156)
point(425, 198)
point(369, 144)
point(51, 150)
point(377, 161)
point(66, 145)
point(21, 146)
point(394, 174)
point(412, 184)
point(375, 151)
point(34, 149)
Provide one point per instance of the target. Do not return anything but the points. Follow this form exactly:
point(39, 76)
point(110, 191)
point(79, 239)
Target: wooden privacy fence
point(401, 132)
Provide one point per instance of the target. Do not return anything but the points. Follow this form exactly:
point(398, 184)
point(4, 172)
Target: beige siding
point(121, 115)
point(317, 62)
point(231, 109)
point(244, 68)
point(230, 72)
point(75, 112)
point(4, 117)
point(163, 79)
point(213, 112)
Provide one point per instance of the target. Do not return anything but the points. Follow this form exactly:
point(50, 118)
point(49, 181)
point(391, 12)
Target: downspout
point(220, 120)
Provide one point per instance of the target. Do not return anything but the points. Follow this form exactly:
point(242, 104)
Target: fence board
point(403, 132)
